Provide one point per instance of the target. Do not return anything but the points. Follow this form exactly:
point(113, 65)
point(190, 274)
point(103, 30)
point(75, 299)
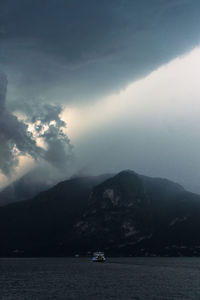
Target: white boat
point(98, 257)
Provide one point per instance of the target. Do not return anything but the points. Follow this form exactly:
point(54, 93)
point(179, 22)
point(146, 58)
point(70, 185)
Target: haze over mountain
point(123, 214)
point(24, 188)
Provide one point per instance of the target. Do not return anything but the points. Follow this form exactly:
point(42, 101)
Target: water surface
point(118, 278)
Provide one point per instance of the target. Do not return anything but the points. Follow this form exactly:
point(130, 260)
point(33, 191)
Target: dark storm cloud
point(16, 139)
point(78, 49)
point(3, 87)
point(14, 136)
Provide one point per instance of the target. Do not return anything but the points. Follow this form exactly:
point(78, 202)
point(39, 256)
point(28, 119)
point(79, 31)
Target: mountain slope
point(133, 215)
point(36, 226)
point(125, 214)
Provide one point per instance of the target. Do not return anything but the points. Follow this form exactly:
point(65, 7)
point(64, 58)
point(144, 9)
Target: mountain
point(130, 214)
point(36, 226)
point(124, 214)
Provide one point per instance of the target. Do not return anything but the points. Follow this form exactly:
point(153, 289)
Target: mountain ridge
point(122, 214)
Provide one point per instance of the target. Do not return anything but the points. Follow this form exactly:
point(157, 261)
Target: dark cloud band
point(78, 50)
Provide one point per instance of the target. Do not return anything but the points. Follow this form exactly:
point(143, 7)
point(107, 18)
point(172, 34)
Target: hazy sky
point(122, 74)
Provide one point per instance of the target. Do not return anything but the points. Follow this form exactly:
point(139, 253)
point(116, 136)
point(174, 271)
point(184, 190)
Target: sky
point(88, 87)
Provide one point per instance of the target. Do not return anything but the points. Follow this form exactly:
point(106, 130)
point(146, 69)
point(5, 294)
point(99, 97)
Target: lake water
point(118, 278)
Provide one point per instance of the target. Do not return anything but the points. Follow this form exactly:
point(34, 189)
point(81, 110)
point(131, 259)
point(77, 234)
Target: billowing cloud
point(16, 139)
point(47, 125)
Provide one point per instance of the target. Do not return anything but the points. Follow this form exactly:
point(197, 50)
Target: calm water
point(119, 278)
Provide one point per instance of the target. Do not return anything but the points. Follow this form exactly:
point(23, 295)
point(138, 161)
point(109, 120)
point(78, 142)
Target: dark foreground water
point(118, 278)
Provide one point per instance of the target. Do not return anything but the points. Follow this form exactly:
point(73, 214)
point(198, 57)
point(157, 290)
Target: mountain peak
point(123, 189)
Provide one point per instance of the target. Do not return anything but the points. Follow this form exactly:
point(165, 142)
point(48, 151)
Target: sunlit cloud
point(151, 126)
point(170, 92)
